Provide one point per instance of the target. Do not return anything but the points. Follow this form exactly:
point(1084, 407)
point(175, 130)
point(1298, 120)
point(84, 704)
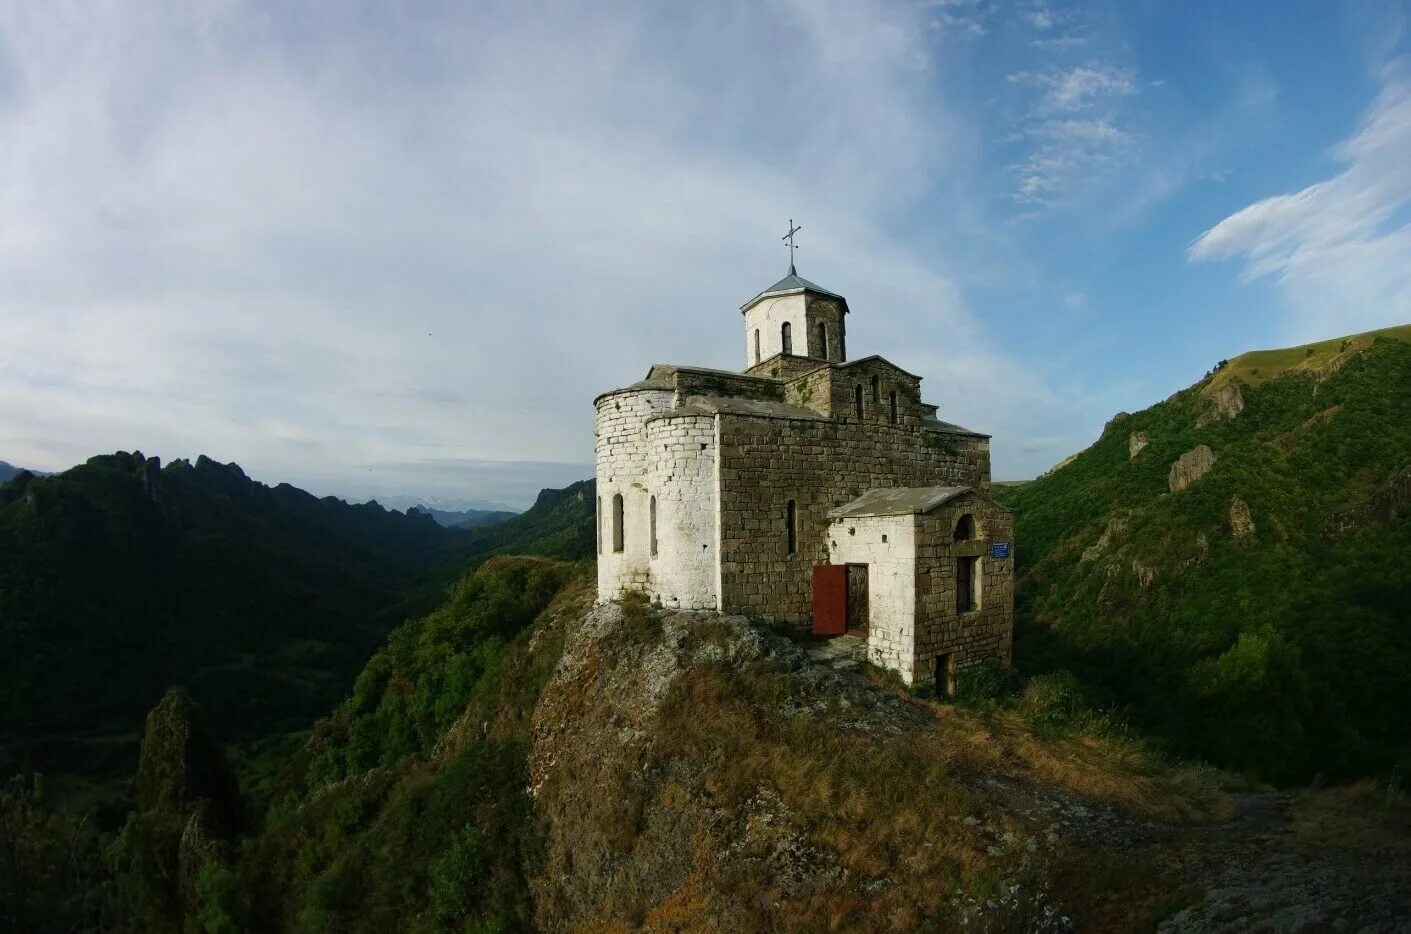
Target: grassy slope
point(1260, 366)
point(1285, 655)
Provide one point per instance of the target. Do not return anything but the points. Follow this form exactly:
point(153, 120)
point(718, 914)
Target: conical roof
point(793, 283)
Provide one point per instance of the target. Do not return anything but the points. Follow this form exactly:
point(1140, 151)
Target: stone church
point(809, 489)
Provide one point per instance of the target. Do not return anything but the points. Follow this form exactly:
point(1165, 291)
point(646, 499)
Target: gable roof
point(792, 284)
point(898, 501)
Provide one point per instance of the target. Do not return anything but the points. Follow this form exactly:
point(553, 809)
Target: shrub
point(985, 684)
point(455, 874)
point(1055, 703)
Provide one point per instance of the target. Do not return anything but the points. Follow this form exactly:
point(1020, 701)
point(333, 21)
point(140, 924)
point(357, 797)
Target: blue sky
point(397, 248)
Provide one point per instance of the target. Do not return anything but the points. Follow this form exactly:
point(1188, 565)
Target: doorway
point(945, 675)
point(857, 600)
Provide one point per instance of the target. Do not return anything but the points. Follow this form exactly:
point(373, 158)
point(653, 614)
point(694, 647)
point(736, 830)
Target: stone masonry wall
point(786, 366)
point(829, 313)
point(820, 465)
point(986, 632)
point(683, 572)
point(887, 545)
point(623, 465)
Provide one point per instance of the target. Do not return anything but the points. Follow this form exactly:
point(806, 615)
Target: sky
point(395, 249)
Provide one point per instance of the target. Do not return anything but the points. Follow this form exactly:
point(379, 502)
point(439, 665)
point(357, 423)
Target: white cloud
point(1072, 131)
point(1078, 87)
point(1341, 248)
point(316, 241)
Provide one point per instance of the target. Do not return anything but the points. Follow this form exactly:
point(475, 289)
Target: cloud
point(321, 239)
point(1078, 87)
point(1340, 249)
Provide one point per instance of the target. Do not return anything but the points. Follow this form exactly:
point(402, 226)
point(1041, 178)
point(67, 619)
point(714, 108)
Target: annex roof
point(898, 501)
point(792, 284)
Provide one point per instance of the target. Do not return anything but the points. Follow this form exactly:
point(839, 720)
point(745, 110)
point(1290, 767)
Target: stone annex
point(809, 489)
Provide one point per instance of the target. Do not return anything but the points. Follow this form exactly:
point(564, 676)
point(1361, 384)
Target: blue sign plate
point(999, 549)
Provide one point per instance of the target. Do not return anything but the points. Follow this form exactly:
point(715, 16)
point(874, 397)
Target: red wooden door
point(830, 599)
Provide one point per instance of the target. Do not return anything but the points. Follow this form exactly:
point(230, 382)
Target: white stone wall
point(891, 583)
point(624, 463)
point(685, 569)
point(768, 317)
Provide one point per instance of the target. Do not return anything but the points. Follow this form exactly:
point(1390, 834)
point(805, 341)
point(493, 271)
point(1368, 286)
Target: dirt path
point(1274, 868)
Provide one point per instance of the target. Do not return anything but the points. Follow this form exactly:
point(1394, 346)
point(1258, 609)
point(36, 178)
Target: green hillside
point(1259, 616)
point(121, 578)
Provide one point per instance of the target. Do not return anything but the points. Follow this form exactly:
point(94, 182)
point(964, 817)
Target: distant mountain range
point(122, 577)
point(446, 504)
point(8, 470)
point(466, 518)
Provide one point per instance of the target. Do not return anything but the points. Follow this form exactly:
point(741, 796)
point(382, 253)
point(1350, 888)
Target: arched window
point(857, 401)
point(756, 345)
point(965, 528)
point(791, 520)
point(786, 337)
point(892, 401)
point(654, 526)
point(617, 522)
point(875, 396)
point(598, 525)
point(822, 340)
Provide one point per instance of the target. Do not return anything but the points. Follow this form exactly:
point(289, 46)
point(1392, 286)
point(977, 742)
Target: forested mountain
point(8, 470)
point(1233, 565)
point(120, 578)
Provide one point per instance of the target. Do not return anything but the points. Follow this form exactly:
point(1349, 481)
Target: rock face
point(1135, 442)
point(1393, 499)
point(181, 767)
point(1223, 405)
point(1190, 467)
point(1144, 572)
point(1241, 523)
point(1116, 528)
point(610, 850)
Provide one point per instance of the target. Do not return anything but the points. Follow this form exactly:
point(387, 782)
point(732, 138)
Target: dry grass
point(904, 808)
point(1111, 769)
point(1367, 817)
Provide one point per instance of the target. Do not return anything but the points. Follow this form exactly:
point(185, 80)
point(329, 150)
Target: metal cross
point(792, 246)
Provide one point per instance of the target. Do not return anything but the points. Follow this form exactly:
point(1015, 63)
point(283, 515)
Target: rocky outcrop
point(1190, 467)
point(180, 767)
point(1116, 529)
point(1115, 420)
point(693, 771)
point(1391, 501)
point(1135, 442)
point(1144, 572)
point(1222, 405)
point(1241, 522)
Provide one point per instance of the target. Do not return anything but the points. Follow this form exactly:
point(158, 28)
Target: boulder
point(1190, 467)
point(1135, 442)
